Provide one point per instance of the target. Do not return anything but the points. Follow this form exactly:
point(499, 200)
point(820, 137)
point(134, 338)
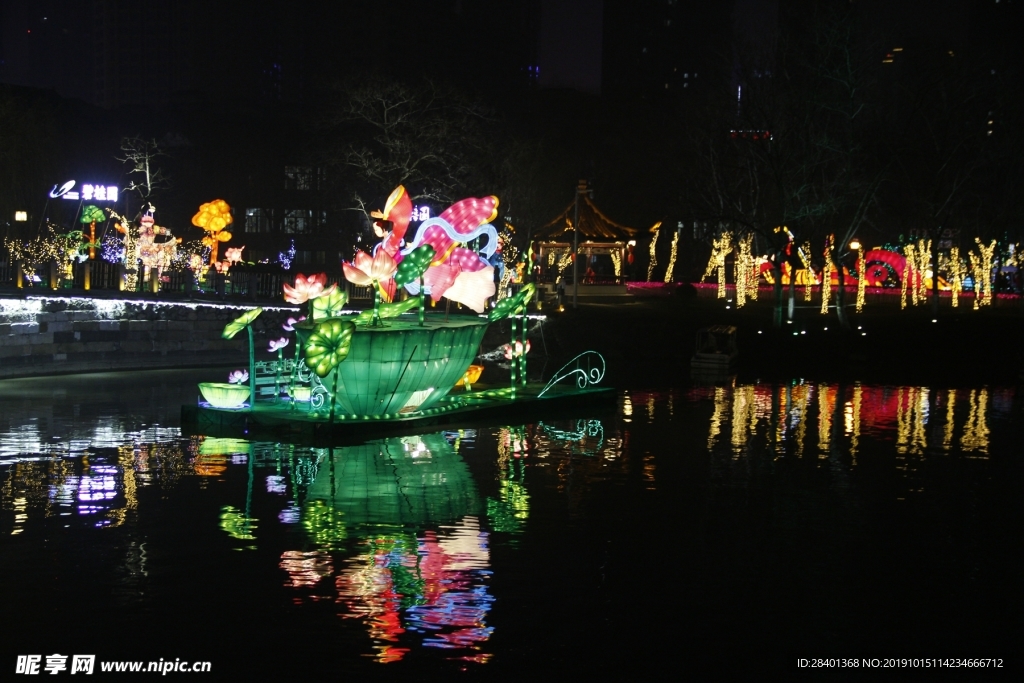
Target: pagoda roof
point(594, 225)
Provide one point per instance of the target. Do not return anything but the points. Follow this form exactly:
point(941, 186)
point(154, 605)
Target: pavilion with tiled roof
point(602, 242)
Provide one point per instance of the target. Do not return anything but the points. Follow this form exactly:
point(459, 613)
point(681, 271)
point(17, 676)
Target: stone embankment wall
point(57, 335)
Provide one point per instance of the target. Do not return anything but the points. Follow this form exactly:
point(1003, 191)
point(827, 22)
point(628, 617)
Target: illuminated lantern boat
point(404, 367)
point(221, 395)
point(387, 365)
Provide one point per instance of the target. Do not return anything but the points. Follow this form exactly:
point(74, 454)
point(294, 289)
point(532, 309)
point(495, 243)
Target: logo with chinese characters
point(54, 664)
point(89, 193)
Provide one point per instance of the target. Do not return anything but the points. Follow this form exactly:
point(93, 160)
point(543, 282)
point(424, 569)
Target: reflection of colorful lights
point(826, 404)
point(975, 436)
point(509, 510)
point(99, 484)
point(290, 515)
point(433, 585)
point(947, 431)
point(20, 515)
point(798, 415)
point(744, 416)
point(325, 524)
point(906, 412)
point(586, 437)
point(305, 568)
point(721, 403)
point(911, 417)
point(236, 524)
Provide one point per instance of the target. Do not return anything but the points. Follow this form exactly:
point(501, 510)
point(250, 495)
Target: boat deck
point(284, 419)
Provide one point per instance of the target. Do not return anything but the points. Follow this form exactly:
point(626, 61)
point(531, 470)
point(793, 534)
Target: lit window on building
point(297, 221)
point(298, 178)
point(259, 220)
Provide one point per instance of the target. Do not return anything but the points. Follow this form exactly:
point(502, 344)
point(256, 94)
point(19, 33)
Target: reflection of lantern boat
point(425, 562)
point(419, 481)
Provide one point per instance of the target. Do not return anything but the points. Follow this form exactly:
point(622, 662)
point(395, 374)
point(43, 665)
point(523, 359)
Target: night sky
point(602, 89)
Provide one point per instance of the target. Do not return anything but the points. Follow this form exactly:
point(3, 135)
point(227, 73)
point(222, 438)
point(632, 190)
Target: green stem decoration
point(334, 392)
point(233, 328)
point(295, 368)
point(522, 358)
point(252, 370)
point(277, 375)
point(515, 360)
point(422, 316)
point(376, 305)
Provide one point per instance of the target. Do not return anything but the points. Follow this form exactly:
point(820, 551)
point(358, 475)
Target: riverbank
point(53, 335)
point(646, 342)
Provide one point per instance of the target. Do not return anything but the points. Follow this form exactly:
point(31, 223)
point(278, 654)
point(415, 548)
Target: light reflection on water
point(397, 538)
point(916, 418)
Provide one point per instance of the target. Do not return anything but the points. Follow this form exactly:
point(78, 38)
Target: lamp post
point(581, 188)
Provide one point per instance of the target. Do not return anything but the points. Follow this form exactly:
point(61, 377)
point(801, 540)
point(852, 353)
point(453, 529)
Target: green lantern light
point(405, 367)
point(511, 307)
point(244, 321)
point(240, 323)
point(329, 305)
point(384, 311)
point(327, 347)
point(221, 395)
point(412, 267)
point(92, 214)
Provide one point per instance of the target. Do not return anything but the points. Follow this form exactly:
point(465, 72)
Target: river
point(730, 528)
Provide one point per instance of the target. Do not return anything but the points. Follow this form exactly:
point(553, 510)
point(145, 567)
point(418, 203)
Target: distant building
point(661, 50)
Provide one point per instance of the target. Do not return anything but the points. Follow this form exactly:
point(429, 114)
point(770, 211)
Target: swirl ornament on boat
point(592, 374)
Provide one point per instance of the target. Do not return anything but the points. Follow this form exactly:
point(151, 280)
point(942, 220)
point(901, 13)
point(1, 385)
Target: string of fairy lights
point(653, 255)
point(915, 274)
point(670, 270)
point(826, 277)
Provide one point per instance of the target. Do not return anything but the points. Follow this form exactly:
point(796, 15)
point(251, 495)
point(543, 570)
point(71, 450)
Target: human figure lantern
point(214, 217)
point(155, 256)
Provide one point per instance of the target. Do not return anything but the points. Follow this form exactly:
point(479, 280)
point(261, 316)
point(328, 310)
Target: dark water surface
point(708, 529)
